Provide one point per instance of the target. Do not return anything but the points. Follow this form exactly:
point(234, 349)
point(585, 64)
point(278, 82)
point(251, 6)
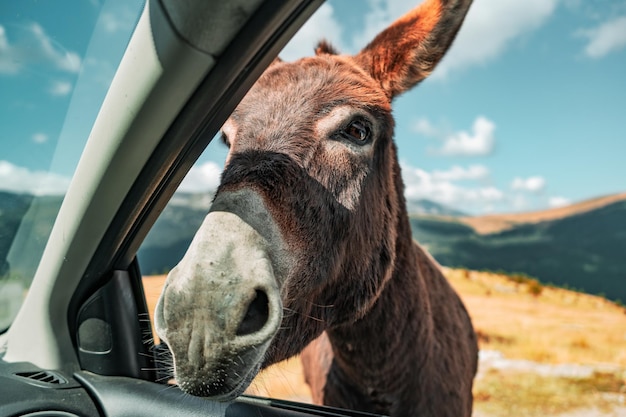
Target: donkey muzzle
point(220, 308)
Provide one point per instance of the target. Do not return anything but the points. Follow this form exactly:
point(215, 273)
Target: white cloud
point(558, 201)
point(34, 46)
point(457, 173)
point(438, 186)
point(60, 88)
point(470, 189)
point(381, 14)
point(63, 59)
point(424, 127)
point(490, 194)
point(8, 63)
point(480, 142)
point(322, 25)
point(205, 177)
point(534, 184)
point(40, 137)
point(121, 20)
point(606, 38)
point(490, 28)
point(519, 202)
point(22, 180)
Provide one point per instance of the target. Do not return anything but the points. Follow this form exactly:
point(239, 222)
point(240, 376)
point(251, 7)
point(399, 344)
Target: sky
point(54, 74)
point(527, 111)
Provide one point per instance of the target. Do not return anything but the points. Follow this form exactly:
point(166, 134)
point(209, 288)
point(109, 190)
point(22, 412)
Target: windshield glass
point(57, 60)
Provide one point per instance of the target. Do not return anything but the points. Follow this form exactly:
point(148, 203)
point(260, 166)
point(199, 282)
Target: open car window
point(457, 173)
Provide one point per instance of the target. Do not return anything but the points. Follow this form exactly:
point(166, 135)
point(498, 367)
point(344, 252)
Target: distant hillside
point(429, 207)
point(585, 250)
point(12, 209)
point(170, 236)
point(582, 246)
point(33, 217)
point(500, 222)
point(25, 224)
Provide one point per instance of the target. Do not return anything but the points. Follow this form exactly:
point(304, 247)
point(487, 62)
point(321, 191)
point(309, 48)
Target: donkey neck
point(390, 360)
point(394, 336)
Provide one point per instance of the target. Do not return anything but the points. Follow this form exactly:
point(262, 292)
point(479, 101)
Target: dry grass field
point(555, 326)
point(544, 351)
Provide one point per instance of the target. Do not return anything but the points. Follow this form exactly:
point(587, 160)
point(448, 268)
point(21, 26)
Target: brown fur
point(396, 339)
point(387, 333)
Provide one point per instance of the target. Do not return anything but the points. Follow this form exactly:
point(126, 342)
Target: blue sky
point(54, 73)
point(527, 111)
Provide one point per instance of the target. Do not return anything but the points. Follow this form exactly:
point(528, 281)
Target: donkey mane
point(308, 249)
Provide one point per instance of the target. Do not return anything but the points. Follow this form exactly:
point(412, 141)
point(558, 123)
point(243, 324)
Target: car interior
point(80, 344)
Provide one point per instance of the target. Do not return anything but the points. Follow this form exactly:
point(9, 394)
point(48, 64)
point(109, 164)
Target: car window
point(57, 60)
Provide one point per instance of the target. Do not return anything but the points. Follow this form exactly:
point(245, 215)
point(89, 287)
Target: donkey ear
point(324, 47)
point(407, 51)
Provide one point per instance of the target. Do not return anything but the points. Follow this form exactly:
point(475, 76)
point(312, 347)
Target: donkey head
point(303, 230)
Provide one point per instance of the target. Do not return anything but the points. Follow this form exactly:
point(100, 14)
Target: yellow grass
point(558, 326)
point(526, 394)
point(152, 286)
point(555, 327)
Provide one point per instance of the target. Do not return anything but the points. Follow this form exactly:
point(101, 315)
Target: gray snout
point(220, 308)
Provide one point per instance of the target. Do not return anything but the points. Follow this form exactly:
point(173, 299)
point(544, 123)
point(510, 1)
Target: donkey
point(308, 241)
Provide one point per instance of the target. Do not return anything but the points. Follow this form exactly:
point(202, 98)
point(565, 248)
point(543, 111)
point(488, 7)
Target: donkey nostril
point(256, 316)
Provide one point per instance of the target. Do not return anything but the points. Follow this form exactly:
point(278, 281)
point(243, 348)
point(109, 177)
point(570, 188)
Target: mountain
point(428, 207)
point(167, 241)
point(12, 209)
point(25, 224)
point(580, 246)
point(584, 249)
point(498, 222)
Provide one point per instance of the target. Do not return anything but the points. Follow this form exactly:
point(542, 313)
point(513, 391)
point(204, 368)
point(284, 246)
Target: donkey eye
point(225, 140)
point(358, 131)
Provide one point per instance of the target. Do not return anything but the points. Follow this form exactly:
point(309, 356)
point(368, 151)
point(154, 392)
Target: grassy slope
point(557, 326)
point(584, 250)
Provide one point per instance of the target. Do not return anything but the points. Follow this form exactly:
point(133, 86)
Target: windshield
point(57, 60)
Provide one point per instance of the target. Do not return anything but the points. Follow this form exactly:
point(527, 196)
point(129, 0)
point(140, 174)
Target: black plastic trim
point(43, 378)
point(20, 395)
point(120, 396)
point(308, 409)
point(110, 337)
